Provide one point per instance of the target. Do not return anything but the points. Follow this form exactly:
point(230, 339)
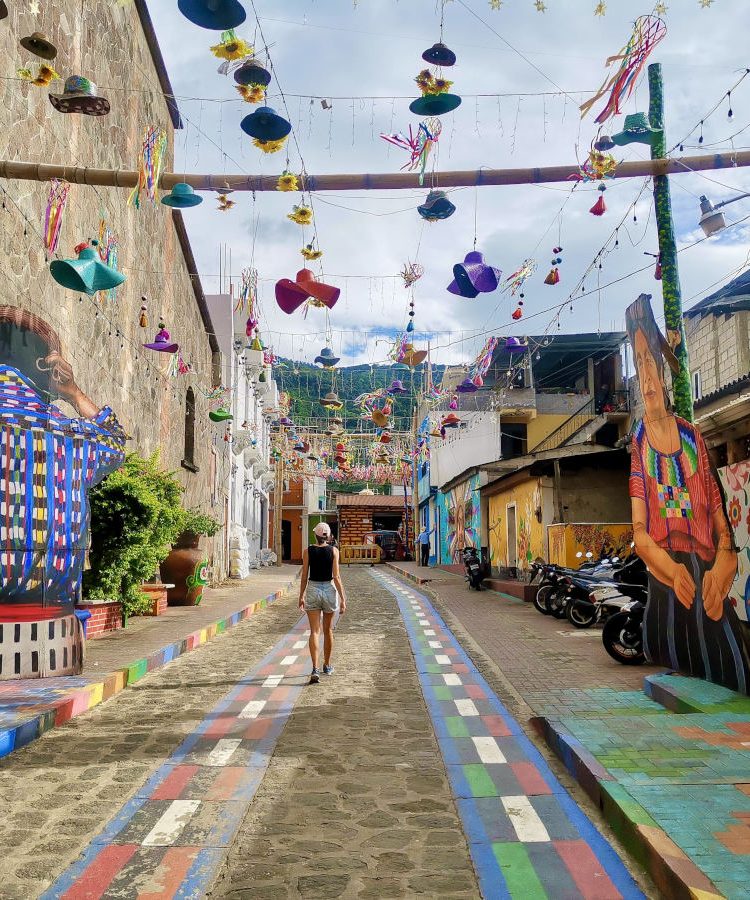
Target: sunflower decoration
point(430, 85)
point(46, 75)
point(287, 181)
point(301, 214)
point(231, 47)
point(269, 146)
point(310, 253)
point(225, 204)
point(251, 93)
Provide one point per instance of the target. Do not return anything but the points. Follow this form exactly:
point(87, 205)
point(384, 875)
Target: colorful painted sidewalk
point(527, 836)
point(30, 707)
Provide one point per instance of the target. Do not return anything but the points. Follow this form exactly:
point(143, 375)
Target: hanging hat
point(251, 72)
point(326, 358)
point(637, 130)
point(3, 10)
point(220, 415)
point(477, 380)
point(286, 421)
point(397, 387)
point(474, 276)
point(436, 206)
point(217, 15)
point(331, 401)
point(37, 44)
point(467, 386)
point(439, 55)
point(79, 96)
point(379, 417)
point(163, 343)
point(265, 124)
point(87, 274)
point(292, 294)
point(604, 143)
point(435, 104)
point(412, 357)
point(513, 345)
point(385, 438)
point(182, 196)
point(450, 421)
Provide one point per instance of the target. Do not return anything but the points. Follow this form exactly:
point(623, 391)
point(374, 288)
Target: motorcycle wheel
point(540, 600)
point(622, 642)
point(580, 615)
point(556, 602)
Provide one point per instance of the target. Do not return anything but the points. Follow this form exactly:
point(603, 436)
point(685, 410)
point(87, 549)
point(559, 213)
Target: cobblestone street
point(221, 774)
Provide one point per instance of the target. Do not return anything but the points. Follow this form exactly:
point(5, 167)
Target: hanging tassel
point(516, 314)
point(410, 326)
point(477, 381)
point(553, 277)
point(600, 207)
point(657, 270)
point(143, 319)
point(454, 402)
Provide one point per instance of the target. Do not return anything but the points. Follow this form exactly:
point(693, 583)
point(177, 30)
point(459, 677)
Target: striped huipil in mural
point(48, 464)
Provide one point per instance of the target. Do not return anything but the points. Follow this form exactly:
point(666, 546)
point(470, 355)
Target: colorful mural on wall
point(48, 463)
point(459, 512)
point(735, 480)
point(529, 536)
point(681, 528)
point(565, 541)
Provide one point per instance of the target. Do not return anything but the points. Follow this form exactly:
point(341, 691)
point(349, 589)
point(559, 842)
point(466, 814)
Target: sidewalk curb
point(673, 872)
point(415, 578)
point(83, 699)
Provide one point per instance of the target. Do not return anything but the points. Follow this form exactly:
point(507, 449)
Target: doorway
point(511, 535)
point(387, 523)
point(286, 540)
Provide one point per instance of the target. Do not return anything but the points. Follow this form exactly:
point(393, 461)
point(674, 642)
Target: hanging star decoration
point(540, 7)
point(601, 8)
point(496, 4)
point(660, 8)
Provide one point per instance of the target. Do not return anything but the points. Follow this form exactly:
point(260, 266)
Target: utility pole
point(414, 483)
point(278, 502)
point(670, 279)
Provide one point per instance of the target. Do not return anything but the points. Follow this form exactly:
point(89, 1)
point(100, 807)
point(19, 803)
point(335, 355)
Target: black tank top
point(321, 562)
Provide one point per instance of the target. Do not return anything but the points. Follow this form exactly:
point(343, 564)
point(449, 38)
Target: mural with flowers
point(458, 511)
point(735, 480)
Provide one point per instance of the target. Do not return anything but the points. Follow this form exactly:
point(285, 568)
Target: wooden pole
point(278, 505)
point(27, 171)
point(670, 279)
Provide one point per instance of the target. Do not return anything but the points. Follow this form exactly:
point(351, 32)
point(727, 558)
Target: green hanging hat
point(220, 415)
point(637, 130)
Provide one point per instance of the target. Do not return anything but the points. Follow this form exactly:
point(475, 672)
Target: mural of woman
point(680, 528)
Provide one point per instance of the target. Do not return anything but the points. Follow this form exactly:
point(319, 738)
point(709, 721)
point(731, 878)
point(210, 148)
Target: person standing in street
point(423, 542)
point(319, 593)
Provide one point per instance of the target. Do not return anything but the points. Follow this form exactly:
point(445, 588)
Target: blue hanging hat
point(439, 55)
point(216, 15)
point(435, 104)
point(326, 358)
point(436, 206)
point(87, 274)
point(182, 196)
point(265, 124)
point(251, 72)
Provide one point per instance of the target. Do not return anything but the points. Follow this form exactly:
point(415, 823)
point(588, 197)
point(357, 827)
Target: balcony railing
point(582, 416)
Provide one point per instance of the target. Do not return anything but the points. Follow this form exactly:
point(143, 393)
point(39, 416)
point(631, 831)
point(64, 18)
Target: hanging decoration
point(224, 203)
point(216, 15)
point(287, 181)
point(87, 274)
point(39, 44)
point(435, 99)
point(247, 293)
point(107, 247)
point(79, 96)
point(418, 145)
point(397, 387)
point(182, 196)
point(600, 207)
point(598, 166)
point(310, 253)
point(473, 276)
point(657, 267)
point(516, 280)
point(411, 273)
point(483, 361)
point(143, 317)
point(231, 48)
point(163, 342)
point(251, 74)
point(637, 130)
point(290, 295)
point(331, 401)
point(648, 31)
point(269, 146)
point(437, 206)
point(220, 414)
point(301, 214)
point(53, 214)
point(150, 163)
point(554, 273)
point(327, 359)
point(45, 75)
point(251, 93)
point(266, 126)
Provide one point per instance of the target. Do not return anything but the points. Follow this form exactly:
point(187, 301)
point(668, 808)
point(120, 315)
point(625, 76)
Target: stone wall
point(719, 347)
point(101, 338)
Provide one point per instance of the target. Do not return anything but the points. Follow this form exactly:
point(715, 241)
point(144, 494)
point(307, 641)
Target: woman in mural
point(681, 531)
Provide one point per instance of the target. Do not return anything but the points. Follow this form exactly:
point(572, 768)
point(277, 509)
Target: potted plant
point(186, 567)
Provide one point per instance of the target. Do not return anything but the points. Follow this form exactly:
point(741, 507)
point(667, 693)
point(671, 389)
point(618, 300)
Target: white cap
point(322, 529)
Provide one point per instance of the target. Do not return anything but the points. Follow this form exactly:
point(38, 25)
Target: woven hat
point(439, 55)
point(412, 357)
point(163, 343)
point(637, 130)
point(331, 401)
point(182, 196)
point(251, 72)
point(435, 104)
point(3, 10)
point(436, 206)
point(513, 345)
point(265, 124)
point(379, 417)
point(467, 386)
point(87, 274)
point(79, 96)
point(36, 43)
point(397, 387)
point(217, 15)
point(290, 295)
point(473, 276)
point(326, 358)
point(220, 415)
point(450, 421)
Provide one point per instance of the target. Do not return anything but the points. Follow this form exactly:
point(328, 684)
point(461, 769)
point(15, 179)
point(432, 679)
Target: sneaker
point(314, 677)
point(328, 670)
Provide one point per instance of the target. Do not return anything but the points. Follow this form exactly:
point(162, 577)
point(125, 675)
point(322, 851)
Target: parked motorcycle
point(473, 568)
point(622, 634)
point(590, 599)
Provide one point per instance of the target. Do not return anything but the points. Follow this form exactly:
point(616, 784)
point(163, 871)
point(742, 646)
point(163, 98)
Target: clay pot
point(186, 568)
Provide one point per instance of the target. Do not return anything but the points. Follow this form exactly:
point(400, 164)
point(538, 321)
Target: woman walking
point(321, 582)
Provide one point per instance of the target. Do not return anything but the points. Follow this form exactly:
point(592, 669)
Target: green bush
point(136, 516)
point(197, 522)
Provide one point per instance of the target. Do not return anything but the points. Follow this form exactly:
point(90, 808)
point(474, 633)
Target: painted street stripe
point(436, 645)
point(273, 680)
point(223, 751)
point(170, 825)
point(527, 837)
point(298, 645)
point(430, 632)
point(288, 661)
point(252, 709)
point(527, 824)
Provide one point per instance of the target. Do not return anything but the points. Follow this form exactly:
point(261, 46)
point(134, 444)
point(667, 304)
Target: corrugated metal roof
point(732, 297)
point(380, 500)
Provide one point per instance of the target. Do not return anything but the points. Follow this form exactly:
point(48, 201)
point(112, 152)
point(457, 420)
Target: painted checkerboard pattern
point(528, 838)
point(169, 839)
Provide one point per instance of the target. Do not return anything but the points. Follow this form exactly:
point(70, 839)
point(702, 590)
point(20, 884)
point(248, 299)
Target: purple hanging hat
point(467, 386)
point(397, 387)
point(513, 345)
point(473, 276)
point(163, 343)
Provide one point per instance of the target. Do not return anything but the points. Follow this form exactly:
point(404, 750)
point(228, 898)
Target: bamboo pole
point(384, 181)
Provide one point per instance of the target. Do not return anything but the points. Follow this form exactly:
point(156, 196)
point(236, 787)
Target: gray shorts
point(321, 595)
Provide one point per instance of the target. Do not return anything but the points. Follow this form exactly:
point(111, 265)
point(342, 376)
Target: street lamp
point(711, 219)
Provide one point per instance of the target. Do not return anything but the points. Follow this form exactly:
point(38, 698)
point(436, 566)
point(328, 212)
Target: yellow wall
point(529, 537)
point(567, 540)
point(541, 427)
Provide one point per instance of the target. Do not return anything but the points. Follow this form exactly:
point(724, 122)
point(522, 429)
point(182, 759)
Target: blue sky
point(359, 59)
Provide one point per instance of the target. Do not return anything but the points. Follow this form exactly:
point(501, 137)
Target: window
point(188, 460)
point(697, 386)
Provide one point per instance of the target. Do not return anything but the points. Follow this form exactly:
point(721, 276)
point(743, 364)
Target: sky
point(362, 59)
